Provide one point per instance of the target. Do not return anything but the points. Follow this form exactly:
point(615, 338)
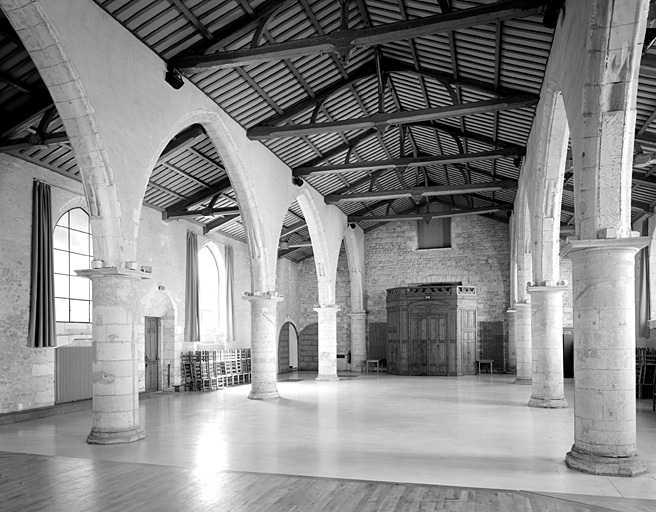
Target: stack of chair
point(212, 370)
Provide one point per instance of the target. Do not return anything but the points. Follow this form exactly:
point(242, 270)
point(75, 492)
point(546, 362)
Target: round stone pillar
point(264, 346)
point(327, 342)
point(547, 347)
point(604, 357)
point(523, 343)
point(358, 340)
point(115, 356)
point(512, 341)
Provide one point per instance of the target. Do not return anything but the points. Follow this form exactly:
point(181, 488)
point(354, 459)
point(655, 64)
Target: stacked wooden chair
point(211, 370)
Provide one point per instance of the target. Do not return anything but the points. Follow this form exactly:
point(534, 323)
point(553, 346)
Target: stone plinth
point(264, 352)
point(604, 357)
point(327, 342)
point(523, 343)
point(358, 340)
point(115, 354)
point(547, 347)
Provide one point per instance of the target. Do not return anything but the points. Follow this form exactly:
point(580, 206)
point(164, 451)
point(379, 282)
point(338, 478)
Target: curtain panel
point(192, 316)
point(230, 285)
point(643, 287)
point(42, 291)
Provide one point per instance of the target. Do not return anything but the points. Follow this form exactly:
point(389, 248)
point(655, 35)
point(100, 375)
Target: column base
point(269, 395)
point(607, 466)
point(548, 403)
point(327, 378)
point(116, 437)
point(523, 382)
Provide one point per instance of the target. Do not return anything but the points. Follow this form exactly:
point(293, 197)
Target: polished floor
point(472, 432)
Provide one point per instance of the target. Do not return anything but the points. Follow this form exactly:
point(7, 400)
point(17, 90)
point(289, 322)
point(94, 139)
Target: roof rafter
point(384, 120)
point(427, 217)
point(343, 41)
point(408, 162)
point(440, 190)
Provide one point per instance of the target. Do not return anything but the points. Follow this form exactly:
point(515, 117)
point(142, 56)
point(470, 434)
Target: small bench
point(376, 362)
point(484, 361)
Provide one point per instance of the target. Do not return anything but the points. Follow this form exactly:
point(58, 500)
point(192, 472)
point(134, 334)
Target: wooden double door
point(430, 349)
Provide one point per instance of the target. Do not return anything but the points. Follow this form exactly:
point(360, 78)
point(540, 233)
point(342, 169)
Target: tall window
point(208, 295)
point(72, 251)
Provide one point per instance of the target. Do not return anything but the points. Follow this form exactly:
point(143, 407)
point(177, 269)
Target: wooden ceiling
point(383, 106)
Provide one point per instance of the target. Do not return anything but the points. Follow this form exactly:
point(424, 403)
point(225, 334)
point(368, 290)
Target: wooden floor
point(62, 484)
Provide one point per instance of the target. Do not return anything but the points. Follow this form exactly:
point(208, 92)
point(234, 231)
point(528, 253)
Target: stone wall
point(308, 299)
point(479, 256)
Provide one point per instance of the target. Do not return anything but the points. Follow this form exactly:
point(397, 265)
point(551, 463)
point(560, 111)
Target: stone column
point(547, 347)
point(523, 343)
point(358, 340)
point(264, 351)
point(327, 342)
point(115, 356)
point(512, 341)
point(604, 357)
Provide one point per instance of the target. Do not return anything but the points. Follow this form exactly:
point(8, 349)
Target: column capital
point(263, 296)
point(357, 314)
point(327, 308)
point(521, 306)
point(573, 247)
point(559, 288)
point(112, 272)
point(511, 311)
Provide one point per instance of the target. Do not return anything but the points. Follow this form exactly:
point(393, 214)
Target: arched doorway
point(287, 348)
point(308, 348)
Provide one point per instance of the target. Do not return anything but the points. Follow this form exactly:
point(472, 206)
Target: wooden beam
point(204, 213)
point(182, 141)
point(343, 41)
point(293, 229)
point(215, 224)
point(198, 197)
point(427, 217)
point(408, 162)
point(25, 117)
point(382, 121)
point(33, 140)
point(238, 28)
point(186, 12)
point(442, 190)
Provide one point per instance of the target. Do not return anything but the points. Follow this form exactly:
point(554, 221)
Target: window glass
point(72, 243)
point(208, 294)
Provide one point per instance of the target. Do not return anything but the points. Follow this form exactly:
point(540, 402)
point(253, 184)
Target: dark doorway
point(152, 353)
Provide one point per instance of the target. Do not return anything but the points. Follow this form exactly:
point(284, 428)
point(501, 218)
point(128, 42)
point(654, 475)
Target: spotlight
point(284, 245)
point(297, 181)
point(174, 78)
point(517, 161)
point(352, 225)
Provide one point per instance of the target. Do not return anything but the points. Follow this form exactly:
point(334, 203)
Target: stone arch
point(550, 160)
point(325, 262)
point(263, 257)
point(42, 41)
point(354, 244)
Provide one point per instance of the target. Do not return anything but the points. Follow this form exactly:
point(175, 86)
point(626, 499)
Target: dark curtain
point(192, 319)
point(42, 299)
point(230, 284)
point(643, 298)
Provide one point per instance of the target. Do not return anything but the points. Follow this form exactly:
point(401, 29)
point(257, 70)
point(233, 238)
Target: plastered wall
point(27, 374)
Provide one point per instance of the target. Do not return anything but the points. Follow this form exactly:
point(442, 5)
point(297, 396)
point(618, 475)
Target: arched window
point(72, 251)
point(208, 295)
